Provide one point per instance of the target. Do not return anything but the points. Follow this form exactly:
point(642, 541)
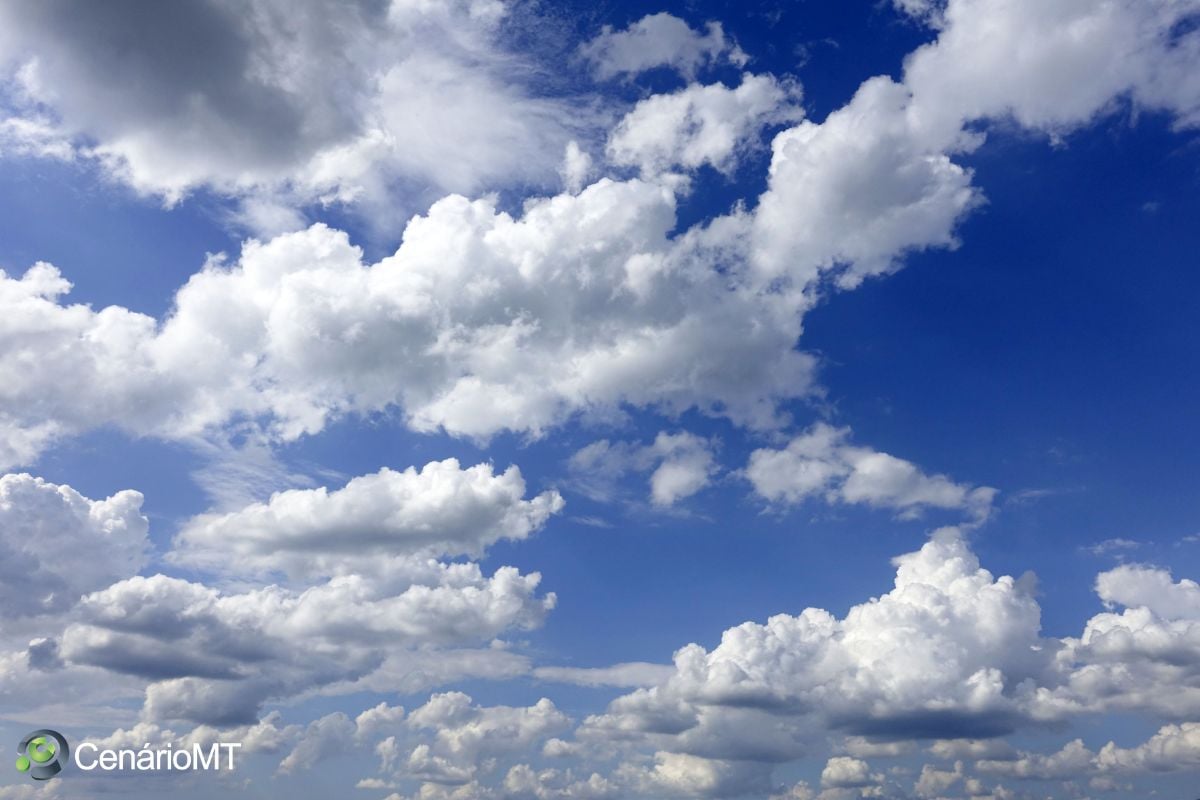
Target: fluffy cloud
point(822, 463)
point(306, 101)
point(441, 510)
point(1139, 585)
point(683, 775)
point(479, 323)
point(1054, 65)
point(59, 545)
point(659, 40)
point(951, 653)
point(1142, 657)
point(679, 466)
point(587, 302)
point(451, 740)
point(265, 736)
point(844, 772)
point(701, 125)
point(1172, 748)
point(335, 733)
point(950, 649)
point(523, 782)
point(855, 192)
point(216, 658)
point(347, 621)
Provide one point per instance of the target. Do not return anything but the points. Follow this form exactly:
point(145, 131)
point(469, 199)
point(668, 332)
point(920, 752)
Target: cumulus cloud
point(952, 653)
point(1142, 657)
point(950, 649)
point(439, 510)
point(312, 101)
point(59, 545)
point(1073, 60)
point(1173, 748)
point(701, 125)
point(581, 306)
point(683, 775)
point(678, 464)
point(856, 192)
point(1152, 588)
point(822, 463)
point(216, 658)
point(452, 740)
point(589, 301)
point(846, 772)
point(659, 40)
point(335, 733)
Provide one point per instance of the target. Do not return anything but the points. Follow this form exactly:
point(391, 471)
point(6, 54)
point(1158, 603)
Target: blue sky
point(723, 311)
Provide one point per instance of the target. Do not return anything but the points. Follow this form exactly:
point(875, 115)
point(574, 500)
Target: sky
point(518, 400)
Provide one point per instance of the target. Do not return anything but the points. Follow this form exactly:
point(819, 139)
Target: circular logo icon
point(42, 754)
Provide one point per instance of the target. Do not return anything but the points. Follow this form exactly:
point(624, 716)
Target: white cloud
point(33, 136)
point(1113, 546)
point(679, 465)
point(934, 783)
point(659, 40)
point(928, 11)
point(479, 323)
point(845, 772)
point(630, 674)
point(523, 782)
point(451, 739)
point(950, 649)
point(1173, 748)
point(298, 102)
point(1141, 658)
point(683, 775)
point(59, 545)
point(856, 192)
point(1144, 586)
point(701, 125)
point(440, 510)
point(576, 167)
point(821, 463)
point(216, 657)
point(264, 736)
point(1054, 65)
point(587, 303)
point(50, 790)
point(335, 733)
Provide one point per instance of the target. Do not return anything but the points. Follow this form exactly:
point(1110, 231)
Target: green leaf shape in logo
point(41, 750)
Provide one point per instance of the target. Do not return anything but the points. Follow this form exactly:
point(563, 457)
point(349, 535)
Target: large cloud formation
point(578, 306)
point(281, 102)
point(59, 545)
point(588, 302)
point(372, 523)
point(359, 606)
